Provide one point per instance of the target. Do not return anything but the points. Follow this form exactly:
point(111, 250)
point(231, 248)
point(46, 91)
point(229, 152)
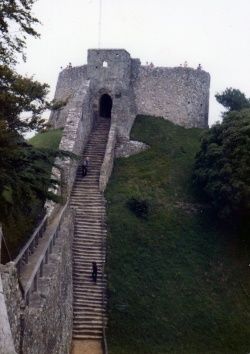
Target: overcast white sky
point(215, 33)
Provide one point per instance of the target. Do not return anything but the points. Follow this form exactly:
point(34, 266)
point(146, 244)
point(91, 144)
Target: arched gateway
point(105, 106)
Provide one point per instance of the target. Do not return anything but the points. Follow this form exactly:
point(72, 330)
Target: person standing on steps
point(94, 271)
point(85, 167)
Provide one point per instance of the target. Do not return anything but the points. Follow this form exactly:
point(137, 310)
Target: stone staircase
point(90, 241)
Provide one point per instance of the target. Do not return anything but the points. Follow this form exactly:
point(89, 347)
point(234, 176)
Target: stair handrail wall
point(108, 160)
point(104, 338)
point(32, 284)
point(6, 337)
point(77, 128)
point(30, 246)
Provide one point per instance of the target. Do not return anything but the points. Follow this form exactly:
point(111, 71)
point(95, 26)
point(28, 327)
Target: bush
point(222, 167)
point(139, 207)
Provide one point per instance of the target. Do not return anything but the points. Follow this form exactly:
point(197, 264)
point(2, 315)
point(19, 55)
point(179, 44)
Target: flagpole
point(100, 25)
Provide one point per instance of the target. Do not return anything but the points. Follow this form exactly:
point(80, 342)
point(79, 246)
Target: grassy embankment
point(49, 139)
point(177, 282)
point(20, 226)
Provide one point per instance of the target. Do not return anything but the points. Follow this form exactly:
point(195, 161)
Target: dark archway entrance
point(105, 106)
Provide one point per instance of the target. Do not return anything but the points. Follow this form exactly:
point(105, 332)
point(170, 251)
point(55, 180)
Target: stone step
point(88, 231)
point(88, 330)
point(86, 275)
point(77, 247)
point(83, 257)
point(84, 328)
point(88, 323)
point(96, 302)
point(81, 307)
point(82, 261)
point(84, 279)
point(81, 289)
point(83, 244)
point(84, 305)
point(86, 198)
point(80, 220)
point(85, 283)
point(89, 240)
point(89, 234)
point(90, 314)
point(79, 336)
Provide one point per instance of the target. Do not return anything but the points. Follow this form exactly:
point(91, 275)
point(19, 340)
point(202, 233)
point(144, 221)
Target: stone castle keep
point(47, 292)
point(112, 79)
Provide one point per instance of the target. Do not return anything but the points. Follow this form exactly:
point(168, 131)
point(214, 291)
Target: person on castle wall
point(185, 64)
point(94, 271)
point(199, 67)
point(151, 65)
point(85, 167)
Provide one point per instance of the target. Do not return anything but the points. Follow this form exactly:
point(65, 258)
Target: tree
point(222, 167)
point(233, 99)
point(24, 171)
point(15, 14)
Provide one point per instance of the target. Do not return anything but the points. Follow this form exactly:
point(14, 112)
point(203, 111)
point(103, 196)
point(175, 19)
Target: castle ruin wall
point(69, 82)
point(179, 94)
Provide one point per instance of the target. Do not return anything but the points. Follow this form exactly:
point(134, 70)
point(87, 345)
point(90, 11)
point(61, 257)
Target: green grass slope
point(49, 139)
point(177, 284)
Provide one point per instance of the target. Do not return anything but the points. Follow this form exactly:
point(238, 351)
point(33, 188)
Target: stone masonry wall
point(48, 318)
point(77, 127)
point(107, 165)
point(13, 300)
point(178, 94)
point(109, 67)
point(69, 81)
point(76, 132)
point(47, 321)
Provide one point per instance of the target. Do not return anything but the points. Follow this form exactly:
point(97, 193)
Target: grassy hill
point(177, 282)
point(49, 139)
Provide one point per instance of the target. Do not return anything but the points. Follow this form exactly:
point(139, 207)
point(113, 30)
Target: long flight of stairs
point(89, 241)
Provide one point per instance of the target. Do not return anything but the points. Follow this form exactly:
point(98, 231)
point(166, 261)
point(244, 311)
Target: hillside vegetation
point(19, 226)
point(177, 282)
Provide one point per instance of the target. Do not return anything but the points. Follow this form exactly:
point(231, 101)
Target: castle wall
point(78, 125)
point(69, 82)
point(180, 95)
point(116, 73)
point(46, 325)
